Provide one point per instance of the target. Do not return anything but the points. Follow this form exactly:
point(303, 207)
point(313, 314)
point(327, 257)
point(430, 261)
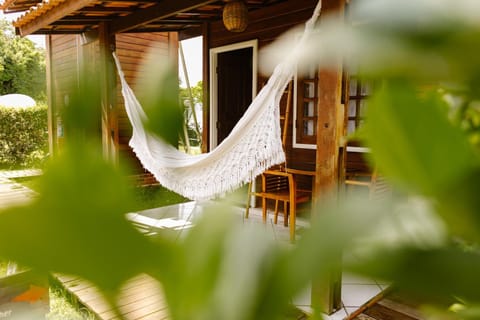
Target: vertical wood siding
point(132, 49)
point(68, 55)
point(64, 74)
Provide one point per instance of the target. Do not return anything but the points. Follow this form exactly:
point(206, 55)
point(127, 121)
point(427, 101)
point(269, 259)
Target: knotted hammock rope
point(252, 147)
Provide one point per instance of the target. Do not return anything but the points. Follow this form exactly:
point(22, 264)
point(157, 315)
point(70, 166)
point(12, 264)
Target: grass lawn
point(63, 306)
point(155, 196)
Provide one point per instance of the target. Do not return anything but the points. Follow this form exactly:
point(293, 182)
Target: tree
point(22, 65)
point(193, 115)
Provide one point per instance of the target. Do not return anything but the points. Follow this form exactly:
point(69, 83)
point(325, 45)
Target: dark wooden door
point(234, 76)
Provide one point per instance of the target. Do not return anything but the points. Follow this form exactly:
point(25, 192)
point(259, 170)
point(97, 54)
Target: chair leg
point(249, 193)
point(264, 210)
point(285, 214)
point(292, 222)
point(275, 217)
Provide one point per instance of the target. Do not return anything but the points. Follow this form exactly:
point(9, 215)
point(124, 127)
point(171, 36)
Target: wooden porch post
point(326, 167)
point(110, 139)
point(206, 86)
point(52, 107)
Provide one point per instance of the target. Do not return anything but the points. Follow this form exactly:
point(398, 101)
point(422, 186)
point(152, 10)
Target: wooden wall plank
point(64, 73)
point(327, 156)
point(131, 50)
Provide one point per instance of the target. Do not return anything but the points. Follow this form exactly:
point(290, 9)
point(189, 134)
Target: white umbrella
point(16, 100)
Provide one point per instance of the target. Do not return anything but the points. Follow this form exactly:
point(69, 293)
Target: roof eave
point(4, 6)
point(25, 28)
point(46, 14)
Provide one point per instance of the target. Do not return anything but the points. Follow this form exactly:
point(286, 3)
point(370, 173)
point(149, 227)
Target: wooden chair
point(282, 186)
point(361, 179)
point(359, 175)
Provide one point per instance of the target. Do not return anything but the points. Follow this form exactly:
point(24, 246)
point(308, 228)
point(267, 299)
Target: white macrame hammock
point(253, 146)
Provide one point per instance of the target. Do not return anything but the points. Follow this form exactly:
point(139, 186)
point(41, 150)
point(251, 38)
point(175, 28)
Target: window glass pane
point(308, 127)
point(309, 90)
point(351, 126)
point(352, 108)
point(308, 109)
point(352, 91)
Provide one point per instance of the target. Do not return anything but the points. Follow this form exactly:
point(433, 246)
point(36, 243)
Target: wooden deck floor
point(141, 298)
point(388, 305)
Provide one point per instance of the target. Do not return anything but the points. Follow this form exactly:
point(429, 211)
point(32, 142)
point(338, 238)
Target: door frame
point(213, 56)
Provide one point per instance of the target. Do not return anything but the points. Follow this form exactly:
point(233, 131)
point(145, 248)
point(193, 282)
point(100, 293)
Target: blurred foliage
point(23, 136)
point(22, 65)
point(29, 182)
point(159, 98)
point(3, 268)
point(421, 127)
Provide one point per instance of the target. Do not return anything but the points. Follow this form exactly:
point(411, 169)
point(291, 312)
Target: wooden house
point(81, 34)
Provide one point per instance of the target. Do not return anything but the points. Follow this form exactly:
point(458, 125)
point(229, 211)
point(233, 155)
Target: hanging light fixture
point(235, 16)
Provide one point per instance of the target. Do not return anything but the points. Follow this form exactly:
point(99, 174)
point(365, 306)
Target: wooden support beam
point(328, 142)
point(51, 111)
point(165, 9)
point(206, 86)
point(110, 136)
point(52, 15)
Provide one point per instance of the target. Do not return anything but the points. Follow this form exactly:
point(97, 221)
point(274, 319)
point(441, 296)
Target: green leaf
point(413, 142)
point(160, 101)
point(78, 226)
point(436, 275)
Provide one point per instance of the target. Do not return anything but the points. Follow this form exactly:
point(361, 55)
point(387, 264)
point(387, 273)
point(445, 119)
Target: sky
point(192, 49)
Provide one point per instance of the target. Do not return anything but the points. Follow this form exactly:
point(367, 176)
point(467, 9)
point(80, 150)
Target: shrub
point(23, 136)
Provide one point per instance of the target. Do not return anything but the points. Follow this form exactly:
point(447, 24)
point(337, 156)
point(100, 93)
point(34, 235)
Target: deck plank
point(140, 298)
point(388, 305)
point(159, 315)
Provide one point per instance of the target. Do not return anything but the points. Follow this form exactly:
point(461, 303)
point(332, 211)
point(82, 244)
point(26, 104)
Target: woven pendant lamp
point(235, 16)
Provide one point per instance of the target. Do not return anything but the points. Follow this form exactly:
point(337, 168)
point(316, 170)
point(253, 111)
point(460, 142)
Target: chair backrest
point(380, 188)
point(274, 181)
point(370, 180)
